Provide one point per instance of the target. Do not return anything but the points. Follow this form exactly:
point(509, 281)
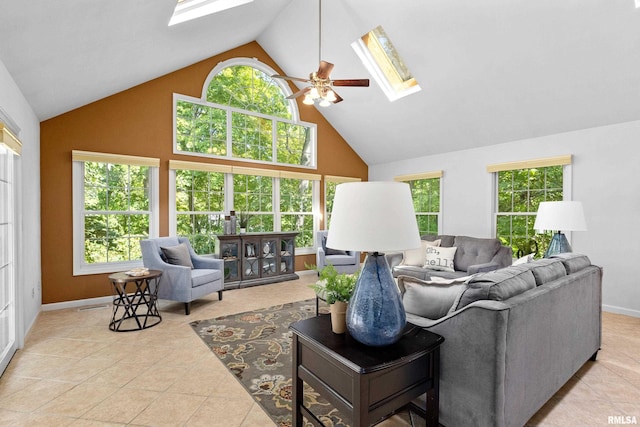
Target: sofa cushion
point(497, 285)
point(573, 262)
point(417, 257)
point(473, 250)
point(546, 270)
point(429, 299)
point(177, 255)
point(438, 258)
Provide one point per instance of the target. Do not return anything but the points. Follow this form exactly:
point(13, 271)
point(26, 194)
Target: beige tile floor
point(73, 371)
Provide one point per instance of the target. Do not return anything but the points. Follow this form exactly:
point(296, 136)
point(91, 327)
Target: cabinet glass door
point(230, 251)
point(269, 257)
point(251, 258)
point(287, 264)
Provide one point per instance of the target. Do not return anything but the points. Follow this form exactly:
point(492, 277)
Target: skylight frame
point(382, 60)
point(187, 10)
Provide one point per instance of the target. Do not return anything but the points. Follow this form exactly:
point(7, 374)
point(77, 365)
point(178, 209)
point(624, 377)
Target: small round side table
point(137, 309)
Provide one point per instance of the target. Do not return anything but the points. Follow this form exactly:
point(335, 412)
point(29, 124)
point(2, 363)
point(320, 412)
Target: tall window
point(200, 207)
point(296, 209)
point(520, 187)
point(253, 194)
point(425, 192)
point(244, 114)
point(7, 259)
point(330, 184)
point(115, 206)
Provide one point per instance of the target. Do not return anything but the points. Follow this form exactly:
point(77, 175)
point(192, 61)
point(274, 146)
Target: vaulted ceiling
point(491, 71)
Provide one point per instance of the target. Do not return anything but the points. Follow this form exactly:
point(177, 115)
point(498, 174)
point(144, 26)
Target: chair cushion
point(202, 276)
point(343, 259)
point(178, 255)
point(430, 299)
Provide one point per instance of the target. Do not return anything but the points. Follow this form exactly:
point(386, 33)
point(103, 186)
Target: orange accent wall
point(138, 122)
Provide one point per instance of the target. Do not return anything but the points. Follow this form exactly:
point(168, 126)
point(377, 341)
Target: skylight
point(187, 10)
point(384, 63)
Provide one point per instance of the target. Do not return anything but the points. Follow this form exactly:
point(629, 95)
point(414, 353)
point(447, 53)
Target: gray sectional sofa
point(473, 255)
point(513, 337)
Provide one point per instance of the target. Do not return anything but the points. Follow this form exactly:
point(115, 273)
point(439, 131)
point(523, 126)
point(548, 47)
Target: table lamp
point(373, 217)
point(560, 216)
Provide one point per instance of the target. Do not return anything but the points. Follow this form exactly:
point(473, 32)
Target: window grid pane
point(426, 203)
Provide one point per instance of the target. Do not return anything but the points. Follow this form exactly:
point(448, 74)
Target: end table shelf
point(364, 383)
point(136, 308)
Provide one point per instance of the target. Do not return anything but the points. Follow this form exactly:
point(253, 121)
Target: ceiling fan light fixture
point(314, 93)
point(330, 96)
point(308, 100)
point(324, 103)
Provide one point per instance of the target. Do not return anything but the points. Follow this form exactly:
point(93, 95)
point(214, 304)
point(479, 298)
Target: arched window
point(244, 114)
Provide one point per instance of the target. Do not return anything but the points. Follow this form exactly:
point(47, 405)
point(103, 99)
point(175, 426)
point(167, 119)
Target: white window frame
point(427, 175)
point(567, 183)
point(80, 266)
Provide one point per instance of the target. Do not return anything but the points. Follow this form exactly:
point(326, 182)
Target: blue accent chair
point(180, 283)
point(346, 262)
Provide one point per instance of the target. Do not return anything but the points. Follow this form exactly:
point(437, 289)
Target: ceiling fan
point(321, 85)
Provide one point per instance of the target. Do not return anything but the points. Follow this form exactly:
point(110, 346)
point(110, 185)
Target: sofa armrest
point(206, 262)
point(482, 268)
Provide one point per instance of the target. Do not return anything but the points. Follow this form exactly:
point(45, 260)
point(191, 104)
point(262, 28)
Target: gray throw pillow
point(432, 300)
point(329, 251)
point(178, 255)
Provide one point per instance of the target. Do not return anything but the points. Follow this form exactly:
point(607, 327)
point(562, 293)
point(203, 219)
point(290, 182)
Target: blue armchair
point(178, 282)
point(344, 261)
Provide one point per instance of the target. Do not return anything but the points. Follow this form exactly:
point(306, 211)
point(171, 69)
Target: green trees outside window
point(426, 203)
point(296, 209)
point(519, 193)
point(116, 211)
point(329, 195)
point(254, 195)
point(255, 105)
point(199, 207)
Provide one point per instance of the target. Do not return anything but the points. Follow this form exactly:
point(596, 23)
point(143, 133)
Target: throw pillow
point(330, 251)
point(523, 260)
point(178, 255)
point(416, 257)
point(428, 299)
point(439, 258)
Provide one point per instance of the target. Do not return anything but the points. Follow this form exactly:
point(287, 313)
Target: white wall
point(29, 297)
point(605, 177)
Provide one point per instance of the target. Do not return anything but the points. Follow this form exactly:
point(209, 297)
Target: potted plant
point(336, 289)
point(243, 221)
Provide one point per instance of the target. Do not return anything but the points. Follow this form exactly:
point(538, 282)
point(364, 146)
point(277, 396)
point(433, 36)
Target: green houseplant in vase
point(243, 221)
point(336, 289)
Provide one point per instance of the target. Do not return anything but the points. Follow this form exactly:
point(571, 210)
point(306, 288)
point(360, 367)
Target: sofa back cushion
point(473, 250)
point(497, 285)
point(573, 262)
point(546, 270)
point(446, 240)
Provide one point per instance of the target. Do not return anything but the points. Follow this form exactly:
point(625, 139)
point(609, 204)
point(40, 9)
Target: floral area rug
point(256, 347)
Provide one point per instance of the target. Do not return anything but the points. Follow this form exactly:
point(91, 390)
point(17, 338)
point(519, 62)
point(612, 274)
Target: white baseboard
point(109, 299)
point(77, 303)
point(620, 310)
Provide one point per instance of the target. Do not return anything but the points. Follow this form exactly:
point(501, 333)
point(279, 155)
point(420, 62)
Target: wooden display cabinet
point(257, 258)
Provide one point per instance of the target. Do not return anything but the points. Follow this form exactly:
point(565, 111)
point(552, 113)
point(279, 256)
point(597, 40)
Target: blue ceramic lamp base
point(559, 244)
point(376, 315)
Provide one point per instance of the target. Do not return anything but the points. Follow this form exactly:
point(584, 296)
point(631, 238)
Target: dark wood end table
point(136, 310)
point(365, 383)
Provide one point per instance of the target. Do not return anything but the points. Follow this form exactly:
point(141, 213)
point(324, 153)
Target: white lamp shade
point(560, 216)
point(373, 216)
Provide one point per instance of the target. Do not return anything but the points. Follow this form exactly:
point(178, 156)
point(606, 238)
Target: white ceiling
point(491, 71)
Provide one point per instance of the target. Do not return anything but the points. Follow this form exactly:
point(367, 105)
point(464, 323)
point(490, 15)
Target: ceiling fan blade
point(325, 69)
point(295, 79)
point(338, 98)
point(299, 93)
point(352, 82)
